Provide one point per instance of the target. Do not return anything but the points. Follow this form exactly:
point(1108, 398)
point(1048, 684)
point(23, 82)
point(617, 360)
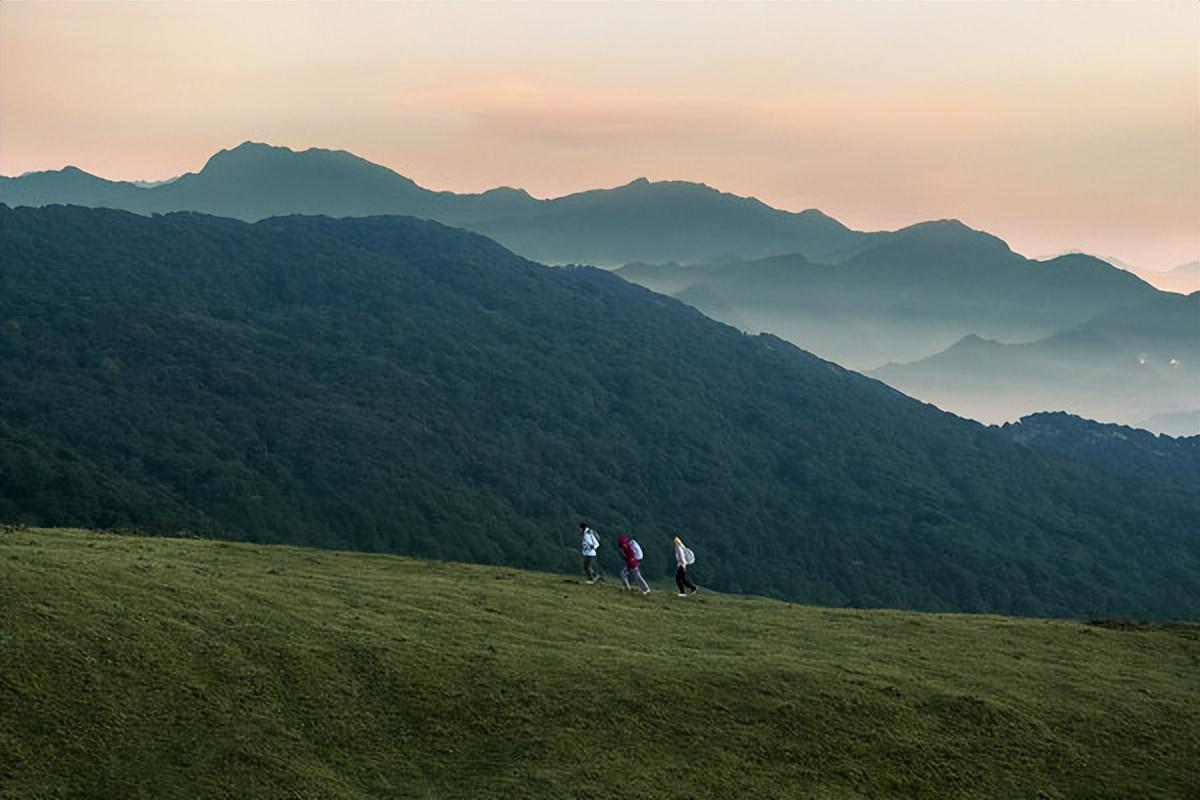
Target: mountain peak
point(250, 152)
point(946, 241)
point(246, 151)
point(1079, 259)
point(946, 231)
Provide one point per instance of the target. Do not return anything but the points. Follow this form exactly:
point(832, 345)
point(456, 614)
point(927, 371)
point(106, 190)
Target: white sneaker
point(646, 592)
point(681, 594)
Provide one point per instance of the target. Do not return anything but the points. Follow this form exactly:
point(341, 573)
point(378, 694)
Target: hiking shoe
point(646, 592)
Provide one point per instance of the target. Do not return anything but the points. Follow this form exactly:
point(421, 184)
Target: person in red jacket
point(632, 568)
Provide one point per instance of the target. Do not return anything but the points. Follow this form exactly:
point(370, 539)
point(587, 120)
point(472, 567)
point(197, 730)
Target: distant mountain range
point(910, 294)
point(608, 227)
point(928, 307)
point(1123, 364)
point(1184, 279)
point(392, 384)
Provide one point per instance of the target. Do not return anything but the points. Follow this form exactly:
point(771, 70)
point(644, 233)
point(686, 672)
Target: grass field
point(167, 668)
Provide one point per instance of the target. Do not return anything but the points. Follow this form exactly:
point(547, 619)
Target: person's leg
point(624, 577)
point(588, 572)
point(680, 579)
point(637, 574)
point(686, 580)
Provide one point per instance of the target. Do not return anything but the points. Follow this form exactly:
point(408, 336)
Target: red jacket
point(627, 552)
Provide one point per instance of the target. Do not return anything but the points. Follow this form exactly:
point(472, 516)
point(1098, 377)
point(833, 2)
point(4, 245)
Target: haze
point(1055, 126)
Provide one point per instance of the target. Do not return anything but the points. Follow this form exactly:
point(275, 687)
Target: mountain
point(1183, 279)
point(69, 185)
point(1118, 448)
point(390, 384)
point(1123, 365)
point(1177, 423)
point(642, 220)
point(665, 220)
point(210, 669)
point(910, 294)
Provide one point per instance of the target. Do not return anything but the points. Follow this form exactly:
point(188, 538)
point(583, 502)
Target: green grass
point(162, 668)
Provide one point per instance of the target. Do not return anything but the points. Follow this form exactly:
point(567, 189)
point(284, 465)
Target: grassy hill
point(164, 668)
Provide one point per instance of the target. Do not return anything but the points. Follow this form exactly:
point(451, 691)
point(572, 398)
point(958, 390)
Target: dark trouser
point(587, 567)
point(681, 580)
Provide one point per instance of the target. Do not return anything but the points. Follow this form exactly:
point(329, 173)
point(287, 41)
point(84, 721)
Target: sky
point(1056, 126)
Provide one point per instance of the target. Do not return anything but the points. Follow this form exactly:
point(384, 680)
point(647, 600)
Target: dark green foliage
point(1118, 448)
point(395, 385)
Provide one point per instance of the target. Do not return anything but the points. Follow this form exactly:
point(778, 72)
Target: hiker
point(632, 553)
point(683, 557)
point(588, 544)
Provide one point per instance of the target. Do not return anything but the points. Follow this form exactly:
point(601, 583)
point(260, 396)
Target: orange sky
point(1055, 126)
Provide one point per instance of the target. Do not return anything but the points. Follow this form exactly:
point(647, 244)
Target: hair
point(583, 525)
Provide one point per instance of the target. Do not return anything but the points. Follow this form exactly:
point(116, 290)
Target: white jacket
point(681, 555)
point(589, 543)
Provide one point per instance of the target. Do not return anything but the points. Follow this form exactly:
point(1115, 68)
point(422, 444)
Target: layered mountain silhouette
point(393, 384)
point(642, 220)
point(869, 301)
point(1123, 364)
point(911, 294)
point(1183, 279)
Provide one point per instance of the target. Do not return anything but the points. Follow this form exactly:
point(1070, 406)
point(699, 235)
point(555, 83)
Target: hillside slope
point(1118, 448)
point(160, 668)
point(390, 384)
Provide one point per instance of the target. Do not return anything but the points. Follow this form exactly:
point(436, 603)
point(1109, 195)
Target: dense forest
point(389, 384)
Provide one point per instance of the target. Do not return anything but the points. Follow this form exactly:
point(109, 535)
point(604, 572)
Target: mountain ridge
point(1125, 365)
point(544, 229)
point(908, 295)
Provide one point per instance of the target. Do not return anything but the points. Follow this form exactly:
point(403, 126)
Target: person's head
point(622, 540)
point(583, 526)
point(678, 542)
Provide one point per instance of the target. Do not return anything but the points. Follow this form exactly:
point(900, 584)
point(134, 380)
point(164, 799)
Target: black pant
point(587, 567)
point(681, 580)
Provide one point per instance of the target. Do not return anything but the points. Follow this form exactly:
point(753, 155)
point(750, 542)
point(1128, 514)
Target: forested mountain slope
point(392, 384)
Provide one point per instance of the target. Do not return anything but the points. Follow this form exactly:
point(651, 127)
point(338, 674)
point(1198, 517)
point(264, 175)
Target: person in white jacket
point(587, 547)
point(683, 558)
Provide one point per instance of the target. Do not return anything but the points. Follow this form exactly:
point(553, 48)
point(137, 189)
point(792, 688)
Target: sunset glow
point(1054, 126)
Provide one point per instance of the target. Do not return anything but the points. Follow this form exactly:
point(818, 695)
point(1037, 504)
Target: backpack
point(689, 557)
point(637, 549)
